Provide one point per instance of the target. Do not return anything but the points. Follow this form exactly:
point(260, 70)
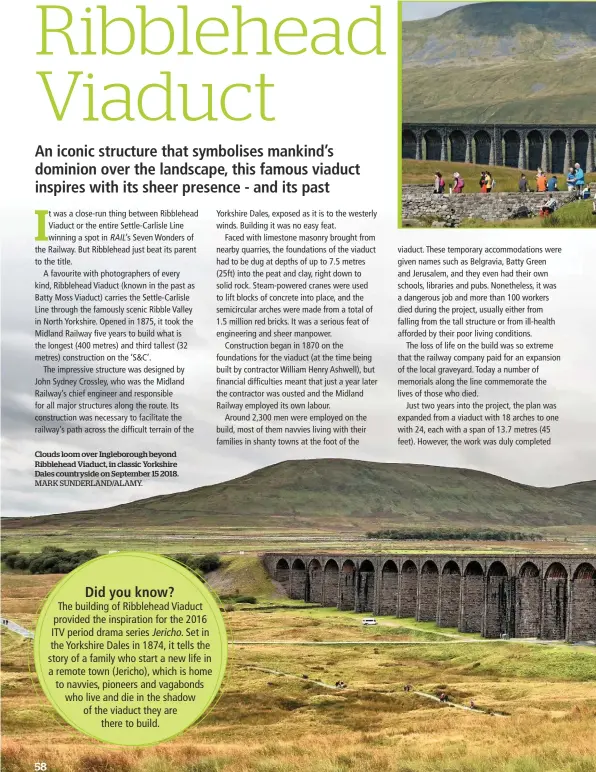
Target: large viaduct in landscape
point(552, 597)
point(553, 147)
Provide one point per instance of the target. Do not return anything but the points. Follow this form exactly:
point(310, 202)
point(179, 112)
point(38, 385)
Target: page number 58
point(40, 766)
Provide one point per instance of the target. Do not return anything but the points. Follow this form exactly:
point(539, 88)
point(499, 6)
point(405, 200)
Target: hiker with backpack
point(459, 183)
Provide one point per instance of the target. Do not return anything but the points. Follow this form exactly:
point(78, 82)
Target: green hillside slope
point(337, 493)
point(503, 63)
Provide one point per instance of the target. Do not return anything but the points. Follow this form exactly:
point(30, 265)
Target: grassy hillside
point(244, 575)
point(502, 62)
point(337, 493)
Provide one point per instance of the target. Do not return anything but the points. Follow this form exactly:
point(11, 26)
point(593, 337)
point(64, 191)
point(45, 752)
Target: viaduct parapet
point(553, 148)
point(552, 597)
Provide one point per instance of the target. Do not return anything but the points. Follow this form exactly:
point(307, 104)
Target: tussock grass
point(576, 215)
point(270, 723)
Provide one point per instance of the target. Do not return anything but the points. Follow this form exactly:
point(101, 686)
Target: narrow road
point(347, 690)
point(15, 628)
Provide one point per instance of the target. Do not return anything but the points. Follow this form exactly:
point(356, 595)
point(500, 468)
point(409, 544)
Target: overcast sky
point(414, 11)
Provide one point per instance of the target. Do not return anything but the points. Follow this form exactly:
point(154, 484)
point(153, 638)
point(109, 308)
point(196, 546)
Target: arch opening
point(389, 588)
point(298, 580)
point(535, 147)
point(482, 147)
point(282, 573)
point(408, 589)
point(432, 145)
point(408, 144)
point(315, 581)
point(472, 602)
point(511, 148)
point(583, 605)
point(428, 592)
point(498, 601)
point(558, 145)
point(449, 595)
point(347, 586)
point(497, 569)
point(330, 583)
point(365, 590)
point(581, 142)
point(528, 601)
point(457, 146)
point(554, 623)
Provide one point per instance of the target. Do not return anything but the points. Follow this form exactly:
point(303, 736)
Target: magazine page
point(298, 407)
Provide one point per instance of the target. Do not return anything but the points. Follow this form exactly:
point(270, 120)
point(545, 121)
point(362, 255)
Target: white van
point(369, 621)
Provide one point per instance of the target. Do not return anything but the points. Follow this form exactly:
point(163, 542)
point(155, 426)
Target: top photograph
point(498, 114)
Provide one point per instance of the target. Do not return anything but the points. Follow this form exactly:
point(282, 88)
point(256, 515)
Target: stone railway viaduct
point(552, 597)
point(551, 147)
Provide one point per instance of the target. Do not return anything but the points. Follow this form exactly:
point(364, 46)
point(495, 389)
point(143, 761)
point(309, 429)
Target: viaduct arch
point(552, 597)
point(551, 147)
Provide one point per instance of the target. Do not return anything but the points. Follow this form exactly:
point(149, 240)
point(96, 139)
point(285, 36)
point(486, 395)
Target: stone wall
point(545, 596)
point(419, 202)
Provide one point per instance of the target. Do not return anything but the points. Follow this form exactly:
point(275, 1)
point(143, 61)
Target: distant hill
point(502, 62)
point(340, 493)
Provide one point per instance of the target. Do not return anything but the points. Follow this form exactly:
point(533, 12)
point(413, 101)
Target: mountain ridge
point(346, 492)
point(457, 67)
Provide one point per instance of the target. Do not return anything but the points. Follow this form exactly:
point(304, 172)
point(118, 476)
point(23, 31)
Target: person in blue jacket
point(552, 184)
point(571, 179)
point(580, 177)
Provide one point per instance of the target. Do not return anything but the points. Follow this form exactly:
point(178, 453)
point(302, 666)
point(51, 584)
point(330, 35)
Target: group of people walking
point(487, 183)
point(456, 187)
point(575, 181)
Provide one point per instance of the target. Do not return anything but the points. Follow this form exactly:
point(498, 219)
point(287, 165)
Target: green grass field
point(246, 542)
